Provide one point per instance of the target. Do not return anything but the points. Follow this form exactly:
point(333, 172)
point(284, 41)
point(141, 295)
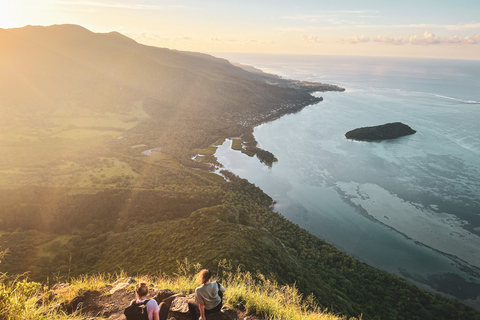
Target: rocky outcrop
point(111, 302)
point(382, 132)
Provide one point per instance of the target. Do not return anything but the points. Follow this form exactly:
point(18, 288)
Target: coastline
point(421, 281)
point(461, 260)
point(248, 144)
point(251, 145)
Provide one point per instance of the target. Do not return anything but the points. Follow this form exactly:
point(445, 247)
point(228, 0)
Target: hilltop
point(104, 296)
point(101, 142)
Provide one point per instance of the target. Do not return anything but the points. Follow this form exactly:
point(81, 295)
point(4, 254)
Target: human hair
point(141, 289)
point(203, 276)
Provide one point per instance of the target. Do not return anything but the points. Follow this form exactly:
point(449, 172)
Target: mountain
point(48, 72)
point(67, 66)
point(101, 142)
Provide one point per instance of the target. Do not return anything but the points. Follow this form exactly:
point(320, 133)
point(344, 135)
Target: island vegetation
point(382, 132)
point(79, 197)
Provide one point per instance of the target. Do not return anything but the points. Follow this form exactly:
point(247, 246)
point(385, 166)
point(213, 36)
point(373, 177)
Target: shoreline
point(425, 284)
point(430, 285)
point(251, 146)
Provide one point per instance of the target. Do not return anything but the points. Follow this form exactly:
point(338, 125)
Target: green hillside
point(105, 296)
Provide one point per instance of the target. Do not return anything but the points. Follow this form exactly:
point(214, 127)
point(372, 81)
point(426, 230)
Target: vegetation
point(79, 197)
point(383, 132)
point(255, 294)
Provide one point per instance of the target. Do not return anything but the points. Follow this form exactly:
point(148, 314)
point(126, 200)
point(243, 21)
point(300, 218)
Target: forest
point(99, 173)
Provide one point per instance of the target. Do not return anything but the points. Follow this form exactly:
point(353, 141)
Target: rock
point(129, 280)
point(179, 311)
point(382, 132)
point(120, 286)
point(167, 296)
point(163, 294)
point(72, 306)
point(179, 304)
point(225, 313)
point(111, 302)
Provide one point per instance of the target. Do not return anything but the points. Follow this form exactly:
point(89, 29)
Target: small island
point(382, 132)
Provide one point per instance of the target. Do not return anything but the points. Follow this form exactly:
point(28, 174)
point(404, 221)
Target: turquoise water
point(410, 206)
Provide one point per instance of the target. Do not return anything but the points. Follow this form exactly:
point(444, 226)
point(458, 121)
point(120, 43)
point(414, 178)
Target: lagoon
point(410, 206)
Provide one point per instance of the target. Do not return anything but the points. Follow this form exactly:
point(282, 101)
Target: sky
point(421, 28)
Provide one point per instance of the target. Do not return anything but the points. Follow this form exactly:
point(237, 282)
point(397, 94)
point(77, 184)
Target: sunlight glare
point(8, 13)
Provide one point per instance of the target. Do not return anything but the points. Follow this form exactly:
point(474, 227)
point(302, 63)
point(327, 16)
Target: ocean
point(409, 206)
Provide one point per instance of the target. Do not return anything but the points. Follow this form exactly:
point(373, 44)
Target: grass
point(48, 248)
point(138, 146)
point(210, 151)
point(219, 142)
point(54, 140)
point(207, 155)
point(252, 293)
point(248, 152)
point(237, 144)
point(164, 159)
point(265, 297)
point(68, 173)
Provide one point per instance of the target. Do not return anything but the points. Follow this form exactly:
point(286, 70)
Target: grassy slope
point(253, 294)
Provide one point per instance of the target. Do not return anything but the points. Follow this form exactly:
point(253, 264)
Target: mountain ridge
point(68, 66)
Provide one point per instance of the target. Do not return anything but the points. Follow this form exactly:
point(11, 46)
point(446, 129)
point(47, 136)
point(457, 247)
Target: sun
point(9, 12)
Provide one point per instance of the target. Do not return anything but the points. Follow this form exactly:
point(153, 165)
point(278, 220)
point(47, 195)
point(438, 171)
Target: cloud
point(463, 27)
point(257, 42)
point(428, 38)
point(390, 40)
point(104, 4)
point(310, 38)
point(356, 39)
point(334, 19)
point(146, 37)
point(331, 15)
point(213, 38)
point(156, 39)
point(182, 38)
point(472, 40)
point(380, 38)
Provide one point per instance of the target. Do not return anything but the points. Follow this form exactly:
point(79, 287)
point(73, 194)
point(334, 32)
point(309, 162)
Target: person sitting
point(208, 297)
point(154, 311)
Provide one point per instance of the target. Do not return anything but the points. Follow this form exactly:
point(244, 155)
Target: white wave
point(456, 99)
point(379, 88)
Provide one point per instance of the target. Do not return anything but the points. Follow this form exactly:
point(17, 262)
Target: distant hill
point(66, 69)
point(44, 66)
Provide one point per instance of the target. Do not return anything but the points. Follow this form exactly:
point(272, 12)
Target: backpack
point(220, 293)
point(137, 311)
